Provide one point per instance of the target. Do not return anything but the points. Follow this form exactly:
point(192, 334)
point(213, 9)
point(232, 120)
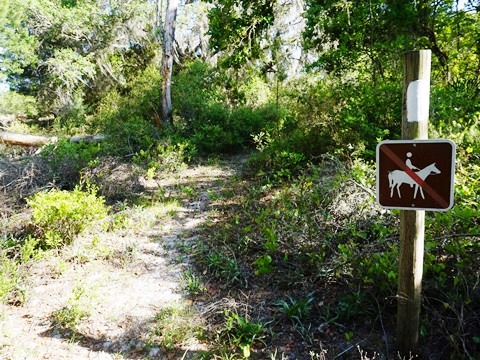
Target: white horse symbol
point(398, 177)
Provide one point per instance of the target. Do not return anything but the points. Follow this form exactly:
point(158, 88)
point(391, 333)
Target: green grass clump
point(79, 306)
point(241, 332)
point(173, 326)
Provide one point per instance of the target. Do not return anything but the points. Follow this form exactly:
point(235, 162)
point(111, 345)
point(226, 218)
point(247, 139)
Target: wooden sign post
point(416, 95)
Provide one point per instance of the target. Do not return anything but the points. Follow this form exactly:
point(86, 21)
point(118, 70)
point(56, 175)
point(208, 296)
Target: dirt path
point(115, 281)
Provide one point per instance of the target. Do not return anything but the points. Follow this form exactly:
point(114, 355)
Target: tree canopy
point(63, 50)
point(237, 27)
point(372, 35)
point(70, 53)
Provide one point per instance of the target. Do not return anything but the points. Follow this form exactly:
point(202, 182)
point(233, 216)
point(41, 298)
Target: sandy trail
point(123, 279)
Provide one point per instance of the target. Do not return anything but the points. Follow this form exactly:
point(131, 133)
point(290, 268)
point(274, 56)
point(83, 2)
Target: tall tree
point(355, 35)
point(168, 39)
point(369, 35)
point(67, 52)
point(237, 27)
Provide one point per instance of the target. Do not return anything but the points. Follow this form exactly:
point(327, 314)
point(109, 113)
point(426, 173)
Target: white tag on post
point(418, 101)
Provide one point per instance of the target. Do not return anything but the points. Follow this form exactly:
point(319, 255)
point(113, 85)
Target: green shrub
point(341, 117)
point(349, 119)
point(368, 113)
point(220, 130)
point(166, 156)
point(9, 276)
point(128, 117)
point(67, 159)
point(223, 266)
point(197, 92)
point(61, 215)
point(193, 283)
point(296, 309)
point(126, 136)
point(277, 163)
point(74, 119)
point(14, 103)
point(174, 325)
point(14, 253)
point(264, 265)
point(213, 139)
point(79, 307)
point(212, 114)
point(455, 106)
point(138, 98)
point(380, 270)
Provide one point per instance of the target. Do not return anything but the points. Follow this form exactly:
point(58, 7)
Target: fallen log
point(87, 138)
point(25, 139)
point(38, 140)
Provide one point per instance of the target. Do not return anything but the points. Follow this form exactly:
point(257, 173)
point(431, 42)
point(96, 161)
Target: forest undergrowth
point(287, 264)
point(283, 252)
point(312, 263)
point(228, 210)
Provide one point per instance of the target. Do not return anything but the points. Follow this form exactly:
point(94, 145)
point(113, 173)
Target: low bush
point(317, 118)
point(73, 120)
point(129, 117)
point(346, 117)
point(59, 215)
point(213, 115)
point(221, 130)
point(66, 159)
point(169, 155)
point(277, 163)
point(9, 276)
point(79, 306)
point(14, 253)
point(174, 325)
point(126, 136)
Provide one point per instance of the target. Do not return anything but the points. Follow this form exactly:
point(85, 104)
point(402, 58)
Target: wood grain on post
point(416, 92)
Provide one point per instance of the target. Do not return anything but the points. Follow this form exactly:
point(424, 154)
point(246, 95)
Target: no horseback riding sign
point(415, 174)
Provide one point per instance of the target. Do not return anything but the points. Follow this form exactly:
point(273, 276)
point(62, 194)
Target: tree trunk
point(167, 60)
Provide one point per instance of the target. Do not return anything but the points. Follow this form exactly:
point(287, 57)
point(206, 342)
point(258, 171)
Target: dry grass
point(20, 178)
point(115, 179)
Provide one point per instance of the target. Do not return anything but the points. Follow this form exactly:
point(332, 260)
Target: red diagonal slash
point(430, 191)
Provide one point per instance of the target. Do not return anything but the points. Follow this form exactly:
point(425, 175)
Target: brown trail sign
point(416, 174)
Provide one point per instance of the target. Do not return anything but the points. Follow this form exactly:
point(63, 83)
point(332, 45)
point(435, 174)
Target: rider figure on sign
point(409, 162)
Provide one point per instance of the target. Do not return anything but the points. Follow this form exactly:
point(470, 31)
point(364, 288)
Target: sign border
point(452, 175)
